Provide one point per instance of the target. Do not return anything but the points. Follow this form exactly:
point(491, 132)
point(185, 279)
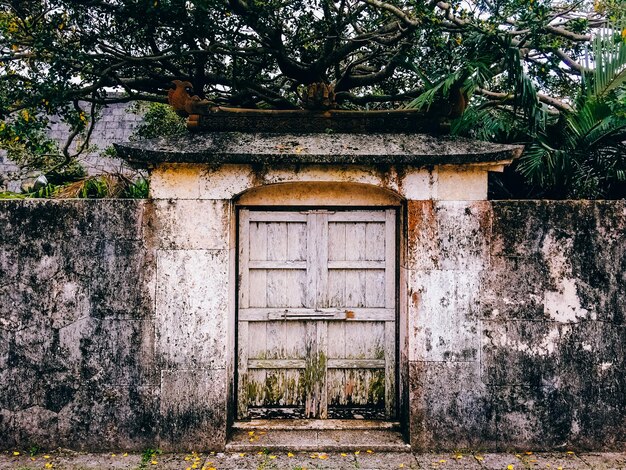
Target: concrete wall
point(76, 325)
point(517, 324)
point(117, 319)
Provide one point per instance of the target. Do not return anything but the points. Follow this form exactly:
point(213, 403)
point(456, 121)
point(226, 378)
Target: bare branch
point(397, 12)
point(506, 97)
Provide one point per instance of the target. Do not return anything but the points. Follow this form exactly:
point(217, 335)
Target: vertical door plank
point(355, 278)
point(296, 241)
point(336, 252)
point(257, 279)
point(375, 288)
point(275, 339)
point(296, 251)
point(336, 340)
point(390, 302)
point(258, 241)
point(390, 368)
point(277, 251)
point(244, 256)
point(242, 370)
point(311, 408)
point(390, 259)
point(311, 261)
point(322, 261)
point(257, 249)
point(322, 358)
point(256, 340)
point(295, 340)
point(375, 241)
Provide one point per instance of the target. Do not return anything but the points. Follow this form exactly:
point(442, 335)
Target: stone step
point(316, 440)
point(316, 424)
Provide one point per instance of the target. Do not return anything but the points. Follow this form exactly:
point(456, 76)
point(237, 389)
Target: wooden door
point(316, 314)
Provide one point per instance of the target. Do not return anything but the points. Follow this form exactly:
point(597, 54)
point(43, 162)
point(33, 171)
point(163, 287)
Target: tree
point(583, 153)
point(62, 56)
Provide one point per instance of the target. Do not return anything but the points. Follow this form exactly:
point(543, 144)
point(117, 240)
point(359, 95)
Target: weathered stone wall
point(76, 325)
point(517, 324)
point(116, 323)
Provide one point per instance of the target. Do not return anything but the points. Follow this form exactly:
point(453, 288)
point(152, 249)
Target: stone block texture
point(83, 363)
point(116, 324)
point(516, 324)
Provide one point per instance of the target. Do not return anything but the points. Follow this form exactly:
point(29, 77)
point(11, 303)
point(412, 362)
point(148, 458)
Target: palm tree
point(583, 154)
point(578, 151)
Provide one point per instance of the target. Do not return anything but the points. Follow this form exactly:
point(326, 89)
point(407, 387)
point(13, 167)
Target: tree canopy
point(67, 56)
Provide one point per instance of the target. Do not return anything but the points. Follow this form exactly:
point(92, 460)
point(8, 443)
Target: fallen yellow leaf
point(479, 458)
point(289, 454)
point(48, 465)
point(369, 451)
point(510, 467)
point(125, 454)
point(569, 452)
point(46, 456)
point(154, 462)
point(16, 453)
point(357, 452)
point(528, 453)
point(344, 455)
point(272, 456)
point(113, 455)
point(442, 461)
point(242, 454)
point(323, 456)
point(401, 465)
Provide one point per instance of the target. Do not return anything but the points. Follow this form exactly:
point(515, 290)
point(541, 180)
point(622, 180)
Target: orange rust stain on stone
point(484, 216)
point(421, 223)
point(415, 298)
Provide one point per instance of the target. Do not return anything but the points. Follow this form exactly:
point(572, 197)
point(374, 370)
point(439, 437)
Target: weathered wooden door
point(316, 315)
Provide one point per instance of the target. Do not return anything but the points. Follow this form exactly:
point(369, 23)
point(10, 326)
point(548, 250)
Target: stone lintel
point(417, 150)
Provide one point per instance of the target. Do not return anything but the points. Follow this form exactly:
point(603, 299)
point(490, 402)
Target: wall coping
point(418, 150)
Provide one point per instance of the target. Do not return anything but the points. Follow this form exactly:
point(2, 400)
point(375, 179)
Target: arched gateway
point(298, 254)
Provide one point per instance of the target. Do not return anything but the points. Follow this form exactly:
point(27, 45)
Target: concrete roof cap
point(319, 148)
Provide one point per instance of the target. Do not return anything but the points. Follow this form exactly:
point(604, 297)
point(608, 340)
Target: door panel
point(316, 317)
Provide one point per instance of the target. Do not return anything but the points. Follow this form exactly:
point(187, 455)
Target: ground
point(64, 459)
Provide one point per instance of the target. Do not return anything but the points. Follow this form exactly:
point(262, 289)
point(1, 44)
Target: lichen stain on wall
point(523, 302)
point(563, 303)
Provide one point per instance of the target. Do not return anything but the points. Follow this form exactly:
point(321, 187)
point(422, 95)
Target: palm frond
point(609, 52)
point(440, 87)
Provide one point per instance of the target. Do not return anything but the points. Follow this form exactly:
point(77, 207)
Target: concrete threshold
point(316, 436)
point(319, 424)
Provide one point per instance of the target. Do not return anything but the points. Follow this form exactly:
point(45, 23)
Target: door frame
point(401, 340)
